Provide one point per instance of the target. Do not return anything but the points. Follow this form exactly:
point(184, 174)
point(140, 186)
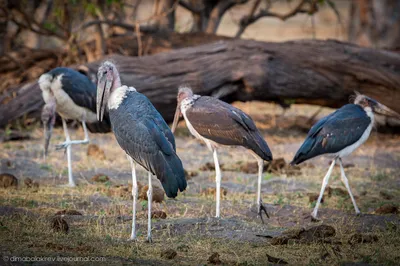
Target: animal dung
point(362, 238)
point(190, 174)
point(28, 182)
point(158, 193)
point(276, 260)
point(169, 254)
point(58, 224)
point(302, 235)
point(214, 259)
point(100, 178)
point(158, 215)
point(314, 197)
point(8, 181)
point(68, 212)
point(212, 191)
point(387, 209)
point(94, 151)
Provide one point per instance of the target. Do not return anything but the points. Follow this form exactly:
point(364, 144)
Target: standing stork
point(216, 122)
point(73, 96)
point(142, 133)
point(338, 135)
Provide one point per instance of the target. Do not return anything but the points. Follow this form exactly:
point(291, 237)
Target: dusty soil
point(26, 215)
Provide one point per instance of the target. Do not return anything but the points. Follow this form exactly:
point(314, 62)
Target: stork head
point(183, 93)
point(107, 80)
point(48, 120)
point(368, 103)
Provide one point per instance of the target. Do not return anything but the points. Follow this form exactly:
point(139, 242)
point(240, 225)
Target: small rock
point(68, 212)
point(158, 215)
point(8, 181)
point(169, 254)
point(314, 197)
point(95, 151)
point(100, 178)
point(214, 258)
point(158, 193)
point(276, 260)
point(362, 238)
point(28, 182)
point(59, 224)
point(387, 209)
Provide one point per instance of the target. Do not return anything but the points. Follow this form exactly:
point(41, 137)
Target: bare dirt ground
point(190, 230)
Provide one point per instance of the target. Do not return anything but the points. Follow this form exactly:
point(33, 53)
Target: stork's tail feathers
point(170, 172)
point(305, 152)
point(260, 147)
point(100, 127)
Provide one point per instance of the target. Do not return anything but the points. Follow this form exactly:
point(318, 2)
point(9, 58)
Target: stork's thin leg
point(346, 183)
point(149, 201)
point(72, 142)
point(324, 183)
point(134, 195)
point(218, 183)
point(261, 207)
point(71, 181)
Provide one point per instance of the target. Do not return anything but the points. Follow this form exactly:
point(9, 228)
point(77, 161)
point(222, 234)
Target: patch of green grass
point(46, 167)
point(267, 176)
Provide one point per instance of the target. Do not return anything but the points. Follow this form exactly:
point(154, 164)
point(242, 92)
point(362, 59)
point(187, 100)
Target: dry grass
point(103, 229)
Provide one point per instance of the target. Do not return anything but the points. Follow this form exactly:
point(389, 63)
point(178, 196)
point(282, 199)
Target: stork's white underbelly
point(349, 149)
point(65, 106)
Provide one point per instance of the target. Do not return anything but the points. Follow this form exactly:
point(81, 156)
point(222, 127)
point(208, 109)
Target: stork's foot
point(149, 239)
point(63, 145)
point(261, 209)
point(132, 239)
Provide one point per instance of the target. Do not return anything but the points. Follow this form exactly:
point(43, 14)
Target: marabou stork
point(142, 133)
point(216, 122)
point(73, 96)
point(338, 135)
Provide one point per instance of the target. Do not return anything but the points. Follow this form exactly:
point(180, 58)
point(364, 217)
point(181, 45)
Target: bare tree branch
point(190, 7)
point(218, 12)
point(248, 20)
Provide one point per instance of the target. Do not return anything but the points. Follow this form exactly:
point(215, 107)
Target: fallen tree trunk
point(310, 71)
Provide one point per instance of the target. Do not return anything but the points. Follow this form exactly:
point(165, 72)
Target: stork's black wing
point(82, 92)
point(78, 87)
point(140, 132)
point(224, 124)
point(334, 132)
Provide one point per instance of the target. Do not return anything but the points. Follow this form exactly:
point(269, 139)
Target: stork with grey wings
point(73, 96)
point(216, 122)
point(142, 133)
point(338, 135)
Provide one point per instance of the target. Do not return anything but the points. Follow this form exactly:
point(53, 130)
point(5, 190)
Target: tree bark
point(309, 71)
point(375, 23)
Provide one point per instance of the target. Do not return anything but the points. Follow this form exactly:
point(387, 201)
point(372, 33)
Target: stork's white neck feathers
point(118, 95)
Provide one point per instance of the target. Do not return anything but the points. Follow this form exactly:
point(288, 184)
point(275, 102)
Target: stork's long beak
point(383, 110)
point(103, 92)
point(176, 117)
